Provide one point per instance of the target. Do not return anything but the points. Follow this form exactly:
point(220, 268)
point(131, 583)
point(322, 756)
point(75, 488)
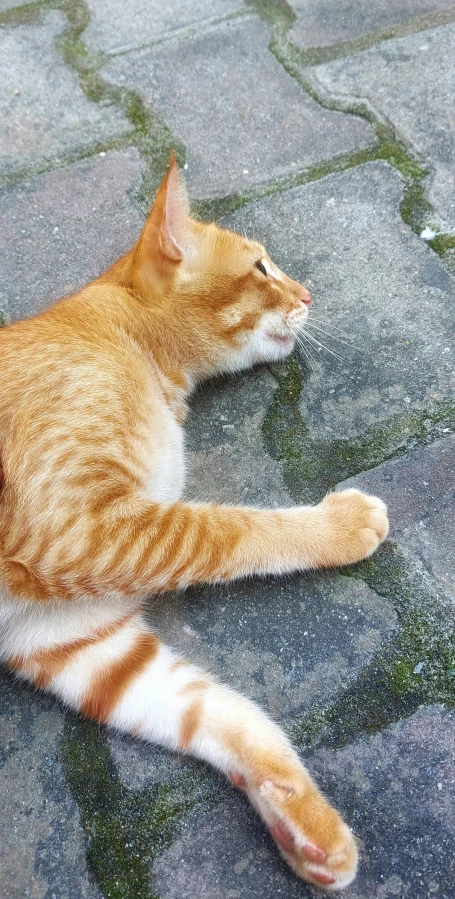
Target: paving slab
point(42, 847)
point(231, 103)
point(65, 227)
point(420, 493)
point(44, 112)
point(397, 791)
point(288, 644)
point(323, 22)
point(411, 82)
point(374, 279)
point(10, 4)
point(115, 28)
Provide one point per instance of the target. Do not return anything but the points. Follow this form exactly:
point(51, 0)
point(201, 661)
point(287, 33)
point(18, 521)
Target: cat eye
point(261, 268)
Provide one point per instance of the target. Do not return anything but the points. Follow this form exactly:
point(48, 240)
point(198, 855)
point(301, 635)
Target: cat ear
point(166, 237)
point(174, 227)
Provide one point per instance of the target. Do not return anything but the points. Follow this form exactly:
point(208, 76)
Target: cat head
point(230, 301)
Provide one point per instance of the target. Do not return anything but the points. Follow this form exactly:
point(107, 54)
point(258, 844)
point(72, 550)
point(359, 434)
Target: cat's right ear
point(167, 237)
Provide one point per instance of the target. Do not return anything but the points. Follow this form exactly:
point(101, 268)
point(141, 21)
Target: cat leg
point(122, 675)
point(134, 546)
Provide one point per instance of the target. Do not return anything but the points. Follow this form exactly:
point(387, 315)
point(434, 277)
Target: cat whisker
point(329, 324)
point(299, 337)
point(334, 337)
point(321, 346)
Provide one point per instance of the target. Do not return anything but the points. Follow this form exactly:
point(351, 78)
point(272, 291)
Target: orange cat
point(92, 398)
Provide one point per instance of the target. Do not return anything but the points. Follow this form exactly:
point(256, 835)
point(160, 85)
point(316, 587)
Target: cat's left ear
point(167, 237)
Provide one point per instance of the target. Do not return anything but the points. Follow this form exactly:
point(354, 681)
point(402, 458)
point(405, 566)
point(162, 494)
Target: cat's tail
point(118, 672)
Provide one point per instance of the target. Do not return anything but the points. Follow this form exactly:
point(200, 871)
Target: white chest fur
point(166, 458)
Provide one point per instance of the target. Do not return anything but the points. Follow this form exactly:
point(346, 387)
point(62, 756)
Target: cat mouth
point(281, 339)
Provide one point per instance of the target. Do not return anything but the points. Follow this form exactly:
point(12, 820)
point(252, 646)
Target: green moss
point(126, 829)
point(28, 14)
point(312, 467)
point(416, 667)
point(443, 244)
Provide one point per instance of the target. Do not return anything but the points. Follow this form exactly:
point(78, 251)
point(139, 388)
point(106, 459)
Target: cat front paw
point(354, 525)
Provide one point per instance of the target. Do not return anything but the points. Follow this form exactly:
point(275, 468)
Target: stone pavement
point(326, 128)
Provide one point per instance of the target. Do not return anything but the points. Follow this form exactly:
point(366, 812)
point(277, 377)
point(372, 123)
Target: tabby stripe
point(190, 723)
point(111, 684)
point(51, 662)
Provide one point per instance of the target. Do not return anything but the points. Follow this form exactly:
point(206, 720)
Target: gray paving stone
point(420, 493)
point(410, 81)
point(323, 22)
point(42, 848)
point(376, 280)
point(289, 644)
point(63, 228)
point(226, 459)
point(10, 4)
point(231, 103)
point(45, 113)
point(396, 789)
point(115, 27)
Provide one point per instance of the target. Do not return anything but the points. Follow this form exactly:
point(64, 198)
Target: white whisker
point(311, 324)
point(322, 346)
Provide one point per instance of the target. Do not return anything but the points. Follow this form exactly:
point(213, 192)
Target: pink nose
point(305, 296)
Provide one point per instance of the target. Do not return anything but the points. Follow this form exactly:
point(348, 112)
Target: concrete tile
point(115, 27)
point(42, 847)
point(288, 644)
point(242, 118)
point(420, 493)
point(10, 4)
point(396, 789)
point(410, 81)
point(61, 229)
point(43, 110)
point(377, 281)
point(323, 22)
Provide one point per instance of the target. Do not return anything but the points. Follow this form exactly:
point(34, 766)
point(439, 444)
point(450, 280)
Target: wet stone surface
point(289, 643)
point(323, 22)
point(420, 494)
point(115, 27)
point(42, 848)
point(396, 789)
point(227, 461)
point(410, 81)
point(45, 113)
point(373, 283)
point(228, 77)
point(63, 228)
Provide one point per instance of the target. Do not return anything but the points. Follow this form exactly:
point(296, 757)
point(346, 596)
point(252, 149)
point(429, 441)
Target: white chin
point(279, 347)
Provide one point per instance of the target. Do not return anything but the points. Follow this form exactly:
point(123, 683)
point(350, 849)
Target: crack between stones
point(389, 688)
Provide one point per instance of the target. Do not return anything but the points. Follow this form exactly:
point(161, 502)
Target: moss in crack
point(415, 209)
point(218, 207)
point(444, 246)
point(125, 829)
point(312, 467)
point(28, 14)
point(150, 134)
point(416, 667)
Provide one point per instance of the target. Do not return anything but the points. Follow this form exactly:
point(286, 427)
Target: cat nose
point(305, 296)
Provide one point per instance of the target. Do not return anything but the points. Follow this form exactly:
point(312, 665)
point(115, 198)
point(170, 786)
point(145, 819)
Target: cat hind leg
point(122, 675)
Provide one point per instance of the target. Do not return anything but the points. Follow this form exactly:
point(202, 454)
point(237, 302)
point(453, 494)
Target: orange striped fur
point(93, 395)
